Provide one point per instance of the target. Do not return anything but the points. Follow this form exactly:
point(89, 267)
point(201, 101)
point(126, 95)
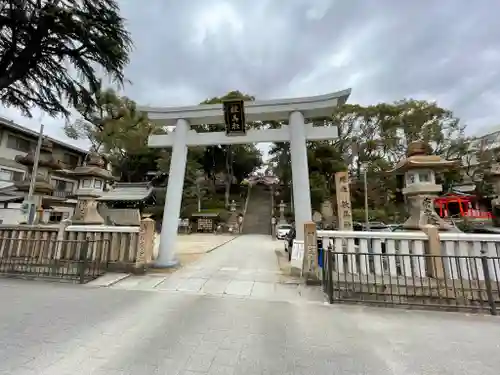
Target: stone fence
point(422, 269)
point(457, 254)
point(124, 248)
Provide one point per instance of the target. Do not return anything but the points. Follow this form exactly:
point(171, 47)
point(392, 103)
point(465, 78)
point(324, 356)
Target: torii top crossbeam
point(297, 132)
point(266, 110)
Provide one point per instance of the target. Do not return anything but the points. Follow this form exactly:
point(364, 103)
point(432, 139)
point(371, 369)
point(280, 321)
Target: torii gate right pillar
point(300, 174)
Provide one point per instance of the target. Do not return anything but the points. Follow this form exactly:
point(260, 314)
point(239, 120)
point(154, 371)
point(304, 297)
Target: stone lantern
point(42, 195)
point(420, 188)
point(92, 177)
point(282, 207)
point(233, 218)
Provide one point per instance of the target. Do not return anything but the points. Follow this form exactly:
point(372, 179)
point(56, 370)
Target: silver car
point(282, 230)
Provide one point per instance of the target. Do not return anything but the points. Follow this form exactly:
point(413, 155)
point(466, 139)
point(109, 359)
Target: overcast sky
point(385, 50)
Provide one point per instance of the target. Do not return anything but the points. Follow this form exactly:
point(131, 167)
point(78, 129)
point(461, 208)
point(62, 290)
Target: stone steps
point(258, 215)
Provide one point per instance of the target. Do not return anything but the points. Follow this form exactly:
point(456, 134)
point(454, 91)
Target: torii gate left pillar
point(297, 133)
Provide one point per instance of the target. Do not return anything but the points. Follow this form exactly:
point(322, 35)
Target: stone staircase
point(258, 214)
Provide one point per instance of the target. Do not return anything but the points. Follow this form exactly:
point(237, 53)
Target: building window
point(19, 144)
point(70, 159)
point(98, 184)
point(10, 175)
point(86, 183)
point(61, 185)
point(56, 217)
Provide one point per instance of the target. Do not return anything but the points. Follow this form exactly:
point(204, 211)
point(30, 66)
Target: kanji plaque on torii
point(234, 117)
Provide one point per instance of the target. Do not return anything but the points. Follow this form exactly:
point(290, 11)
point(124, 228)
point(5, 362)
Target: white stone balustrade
point(460, 253)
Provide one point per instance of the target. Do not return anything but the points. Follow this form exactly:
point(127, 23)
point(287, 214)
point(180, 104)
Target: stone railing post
point(434, 264)
point(310, 268)
point(146, 242)
point(61, 236)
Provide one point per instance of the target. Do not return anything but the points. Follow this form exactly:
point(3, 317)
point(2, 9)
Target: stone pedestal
point(422, 213)
point(86, 213)
point(434, 264)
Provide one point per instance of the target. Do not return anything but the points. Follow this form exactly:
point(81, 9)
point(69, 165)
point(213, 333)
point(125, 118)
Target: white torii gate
point(297, 133)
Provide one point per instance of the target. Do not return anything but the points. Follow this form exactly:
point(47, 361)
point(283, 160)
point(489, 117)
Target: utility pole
point(367, 221)
point(32, 205)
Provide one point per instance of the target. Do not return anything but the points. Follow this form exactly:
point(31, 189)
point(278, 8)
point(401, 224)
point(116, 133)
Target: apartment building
point(481, 149)
point(18, 140)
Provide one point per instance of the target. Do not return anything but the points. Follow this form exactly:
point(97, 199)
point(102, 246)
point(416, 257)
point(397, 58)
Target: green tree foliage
point(374, 139)
point(116, 128)
point(50, 52)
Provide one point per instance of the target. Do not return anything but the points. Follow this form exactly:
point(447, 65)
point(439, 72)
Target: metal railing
point(77, 261)
point(356, 277)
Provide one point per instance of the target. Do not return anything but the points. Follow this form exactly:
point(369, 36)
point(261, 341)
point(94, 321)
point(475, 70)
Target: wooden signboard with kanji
point(234, 117)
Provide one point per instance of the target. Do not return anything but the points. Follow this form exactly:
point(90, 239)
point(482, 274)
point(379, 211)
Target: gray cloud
point(187, 51)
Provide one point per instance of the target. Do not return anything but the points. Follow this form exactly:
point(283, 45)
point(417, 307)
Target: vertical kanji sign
point(344, 212)
point(234, 117)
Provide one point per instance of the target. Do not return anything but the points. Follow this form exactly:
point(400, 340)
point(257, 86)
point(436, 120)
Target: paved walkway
point(199, 243)
point(54, 329)
point(246, 267)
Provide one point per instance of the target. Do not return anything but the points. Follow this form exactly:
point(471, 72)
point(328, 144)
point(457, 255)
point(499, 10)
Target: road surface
point(48, 328)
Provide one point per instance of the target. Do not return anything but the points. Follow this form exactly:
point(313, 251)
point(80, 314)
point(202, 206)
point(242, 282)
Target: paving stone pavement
point(54, 329)
point(246, 267)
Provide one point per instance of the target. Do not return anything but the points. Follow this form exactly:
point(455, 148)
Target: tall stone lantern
point(42, 195)
point(420, 188)
point(92, 178)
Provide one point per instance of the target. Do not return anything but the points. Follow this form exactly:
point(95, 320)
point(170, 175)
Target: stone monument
point(419, 170)
point(92, 178)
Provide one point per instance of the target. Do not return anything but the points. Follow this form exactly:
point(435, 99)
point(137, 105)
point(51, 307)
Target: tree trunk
point(229, 176)
point(198, 196)
point(227, 193)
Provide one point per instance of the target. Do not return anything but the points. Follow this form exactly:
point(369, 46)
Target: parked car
point(396, 227)
point(282, 230)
